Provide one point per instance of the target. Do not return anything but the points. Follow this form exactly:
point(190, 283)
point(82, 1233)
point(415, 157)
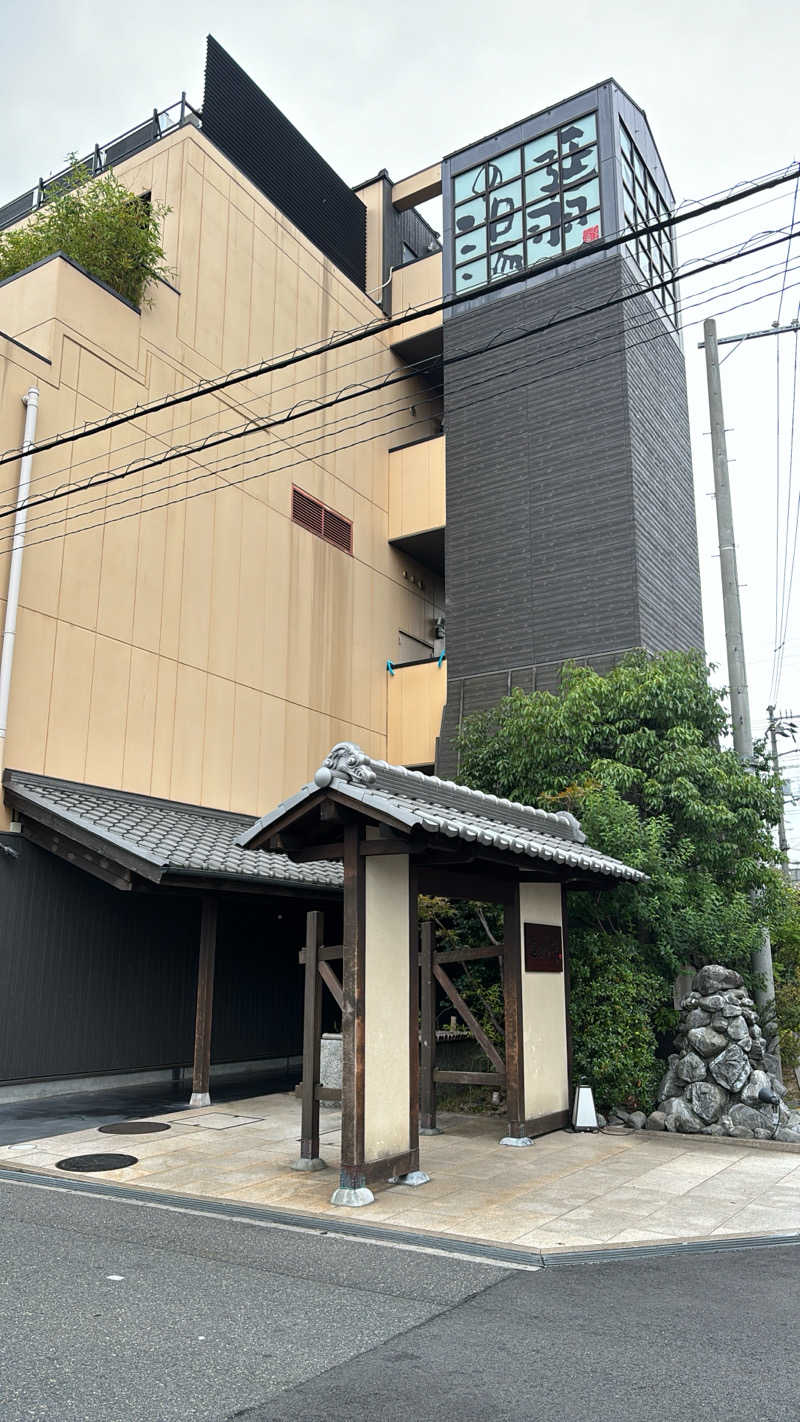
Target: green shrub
point(97, 222)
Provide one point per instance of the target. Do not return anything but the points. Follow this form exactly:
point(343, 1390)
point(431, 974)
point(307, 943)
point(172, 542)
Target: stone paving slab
point(566, 1192)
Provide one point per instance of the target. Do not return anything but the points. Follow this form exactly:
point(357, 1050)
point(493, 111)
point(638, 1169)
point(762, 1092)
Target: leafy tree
point(636, 756)
point(100, 224)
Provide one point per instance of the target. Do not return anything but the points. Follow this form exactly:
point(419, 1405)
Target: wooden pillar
point(205, 1002)
point(427, 1120)
point(353, 968)
point(512, 991)
point(312, 1028)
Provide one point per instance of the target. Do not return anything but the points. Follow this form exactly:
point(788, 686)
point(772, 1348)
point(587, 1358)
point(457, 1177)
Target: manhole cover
point(133, 1128)
point(95, 1162)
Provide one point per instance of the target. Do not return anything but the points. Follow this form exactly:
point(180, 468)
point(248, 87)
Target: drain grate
point(95, 1162)
point(133, 1128)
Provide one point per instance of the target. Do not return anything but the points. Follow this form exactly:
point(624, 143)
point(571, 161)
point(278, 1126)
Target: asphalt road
point(113, 1311)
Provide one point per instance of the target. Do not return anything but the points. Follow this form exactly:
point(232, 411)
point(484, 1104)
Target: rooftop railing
point(162, 122)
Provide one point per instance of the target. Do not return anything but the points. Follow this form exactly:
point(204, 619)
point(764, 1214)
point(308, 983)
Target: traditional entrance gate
point(399, 834)
point(433, 969)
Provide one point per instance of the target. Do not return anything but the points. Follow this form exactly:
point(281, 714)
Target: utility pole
point(761, 961)
point(782, 840)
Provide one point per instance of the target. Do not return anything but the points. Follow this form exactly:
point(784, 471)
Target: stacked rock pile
point(721, 1080)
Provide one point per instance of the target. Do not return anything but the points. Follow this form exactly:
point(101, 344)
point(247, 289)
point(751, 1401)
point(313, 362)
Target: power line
point(341, 397)
point(247, 406)
point(653, 318)
point(337, 341)
point(212, 473)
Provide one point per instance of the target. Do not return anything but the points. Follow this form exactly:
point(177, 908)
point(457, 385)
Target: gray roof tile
point(442, 807)
point(171, 837)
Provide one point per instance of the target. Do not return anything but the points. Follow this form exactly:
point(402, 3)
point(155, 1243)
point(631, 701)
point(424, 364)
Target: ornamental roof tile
point(418, 801)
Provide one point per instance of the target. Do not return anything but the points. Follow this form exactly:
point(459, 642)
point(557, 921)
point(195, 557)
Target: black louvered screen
point(261, 141)
point(337, 530)
point(307, 512)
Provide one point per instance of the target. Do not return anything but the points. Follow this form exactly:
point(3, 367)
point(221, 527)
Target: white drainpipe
point(15, 571)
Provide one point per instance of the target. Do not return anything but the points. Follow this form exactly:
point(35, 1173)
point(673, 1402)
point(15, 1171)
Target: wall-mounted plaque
point(543, 949)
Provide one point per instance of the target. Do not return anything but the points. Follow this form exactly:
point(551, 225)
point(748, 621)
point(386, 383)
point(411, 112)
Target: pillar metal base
point(431, 1131)
point(413, 1177)
point(308, 1162)
point(200, 1098)
point(516, 1141)
point(347, 1196)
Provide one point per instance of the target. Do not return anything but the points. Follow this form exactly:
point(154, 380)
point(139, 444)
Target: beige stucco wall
point(387, 1067)
point(416, 700)
point(417, 487)
point(207, 650)
point(544, 1031)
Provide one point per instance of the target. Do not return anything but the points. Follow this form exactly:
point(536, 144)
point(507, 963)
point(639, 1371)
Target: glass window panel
point(541, 150)
point(506, 166)
point(627, 171)
point(473, 274)
point(542, 223)
point(628, 208)
point(641, 200)
point(506, 262)
point(507, 229)
point(541, 184)
point(472, 244)
point(543, 251)
point(638, 166)
point(625, 141)
point(578, 133)
point(505, 199)
point(652, 191)
point(579, 166)
point(466, 185)
point(578, 201)
point(469, 215)
point(584, 232)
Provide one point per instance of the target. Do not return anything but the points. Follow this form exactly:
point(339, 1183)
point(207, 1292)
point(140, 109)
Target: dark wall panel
point(570, 516)
point(94, 979)
point(265, 146)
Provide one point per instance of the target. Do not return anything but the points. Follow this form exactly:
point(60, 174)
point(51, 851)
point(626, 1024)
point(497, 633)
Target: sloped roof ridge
point(18, 777)
point(347, 761)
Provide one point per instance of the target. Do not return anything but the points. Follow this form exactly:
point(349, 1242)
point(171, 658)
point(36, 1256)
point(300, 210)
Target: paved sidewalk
point(566, 1191)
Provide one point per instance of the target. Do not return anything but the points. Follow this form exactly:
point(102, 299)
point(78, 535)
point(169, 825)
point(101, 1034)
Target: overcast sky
point(379, 86)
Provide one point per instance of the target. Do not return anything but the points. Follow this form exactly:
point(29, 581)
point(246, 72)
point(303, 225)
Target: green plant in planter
point(97, 222)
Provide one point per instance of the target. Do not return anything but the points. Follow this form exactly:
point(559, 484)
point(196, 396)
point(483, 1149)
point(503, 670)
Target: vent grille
point(322, 521)
point(337, 530)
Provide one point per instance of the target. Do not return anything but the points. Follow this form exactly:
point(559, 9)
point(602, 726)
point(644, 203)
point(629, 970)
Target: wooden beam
point(472, 1022)
point(469, 955)
point(428, 1033)
point(205, 1003)
point(312, 1030)
point(327, 953)
point(332, 983)
point(377, 1170)
point(456, 884)
point(471, 1078)
point(413, 1012)
point(321, 1093)
point(565, 959)
point(512, 990)
point(310, 853)
point(353, 968)
point(86, 859)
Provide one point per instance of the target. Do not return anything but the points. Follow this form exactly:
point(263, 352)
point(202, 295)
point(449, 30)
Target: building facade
point(505, 477)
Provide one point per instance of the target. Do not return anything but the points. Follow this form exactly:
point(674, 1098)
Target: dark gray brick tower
point(570, 510)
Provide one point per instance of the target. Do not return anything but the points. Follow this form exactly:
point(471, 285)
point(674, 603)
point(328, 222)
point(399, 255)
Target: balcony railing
point(415, 701)
point(162, 122)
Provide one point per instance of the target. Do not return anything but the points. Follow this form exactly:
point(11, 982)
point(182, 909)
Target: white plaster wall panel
point(544, 1018)
point(386, 1007)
